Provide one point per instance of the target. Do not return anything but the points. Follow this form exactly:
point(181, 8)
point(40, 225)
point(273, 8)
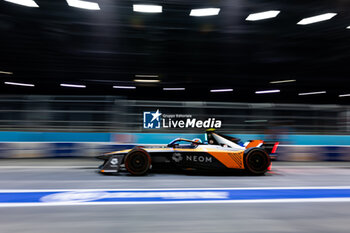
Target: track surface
point(253, 217)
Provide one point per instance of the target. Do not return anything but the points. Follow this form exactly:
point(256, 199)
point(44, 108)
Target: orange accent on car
point(254, 143)
point(229, 159)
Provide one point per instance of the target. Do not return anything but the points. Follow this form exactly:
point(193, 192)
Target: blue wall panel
point(160, 138)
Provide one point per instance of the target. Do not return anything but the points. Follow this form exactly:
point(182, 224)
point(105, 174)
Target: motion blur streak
point(146, 76)
point(298, 124)
point(124, 87)
point(89, 217)
point(83, 4)
point(147, 80)
point(148, 8)
point(205, 12)
point(221, 90)
point(313, 93)
point(316, 19)
point(5, 72)
point(72, 85)
point(283, 81)
point(20, 84)
point(173, 88)
point(179, 196)
point(262, 15)
point(29, 3)
point(267, 91)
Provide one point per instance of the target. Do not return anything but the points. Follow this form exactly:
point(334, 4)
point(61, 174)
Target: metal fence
point(115, 114)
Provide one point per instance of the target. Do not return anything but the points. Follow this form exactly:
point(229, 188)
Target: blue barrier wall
point(47, 144)
point(53, 137)
point(160, 138)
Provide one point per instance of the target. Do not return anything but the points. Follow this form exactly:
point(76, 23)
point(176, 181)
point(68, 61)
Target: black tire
point(137, 162)
point(256, 161)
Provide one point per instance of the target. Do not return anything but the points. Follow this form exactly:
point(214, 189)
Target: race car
point(218, 153)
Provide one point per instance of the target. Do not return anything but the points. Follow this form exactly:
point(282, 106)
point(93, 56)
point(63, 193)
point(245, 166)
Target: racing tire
point(256, 161)
point(137, 162)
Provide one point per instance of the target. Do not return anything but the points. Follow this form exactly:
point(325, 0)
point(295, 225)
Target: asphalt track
point(78, 174)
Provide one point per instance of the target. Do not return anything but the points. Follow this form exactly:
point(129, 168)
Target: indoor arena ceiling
point(56, 42)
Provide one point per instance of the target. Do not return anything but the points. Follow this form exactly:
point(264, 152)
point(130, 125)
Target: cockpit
point(185, 143)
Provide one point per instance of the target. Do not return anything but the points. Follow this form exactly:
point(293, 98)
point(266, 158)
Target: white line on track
point(172, 189)
point(297, 200)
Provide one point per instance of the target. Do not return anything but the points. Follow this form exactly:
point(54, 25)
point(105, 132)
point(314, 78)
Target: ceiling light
point(83, 4)
point(313, 93)
point(29, 3)
point(255, 121)
point(345, 95)
point(348, 27)
point(221, 90)
point(148, 8)
point(262, 15)
point(72, 85)
point(267, 91)
point(205, 12)
point(173, 88)
point(5, 72)
point(125, 87)
point(283, 81)
point(317, 18)
point(20, 84)
point(147, 80)
point(146, 76)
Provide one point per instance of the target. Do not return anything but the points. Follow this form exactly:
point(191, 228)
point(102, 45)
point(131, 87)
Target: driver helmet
point(197, 140)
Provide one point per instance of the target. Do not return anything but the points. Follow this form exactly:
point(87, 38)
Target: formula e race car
point(219, 153)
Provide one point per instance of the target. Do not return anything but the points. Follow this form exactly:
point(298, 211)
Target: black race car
point(219, 153)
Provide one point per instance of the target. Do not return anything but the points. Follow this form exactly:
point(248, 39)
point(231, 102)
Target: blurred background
point(103, 123)
point(78, 76)
point(85, 71)
point(110, 43)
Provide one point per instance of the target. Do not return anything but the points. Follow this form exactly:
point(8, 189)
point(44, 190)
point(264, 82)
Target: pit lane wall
point(49, 144)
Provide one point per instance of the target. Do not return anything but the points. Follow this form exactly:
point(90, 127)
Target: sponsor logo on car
point(114, 161)
point(177, 157)
point(199, 158)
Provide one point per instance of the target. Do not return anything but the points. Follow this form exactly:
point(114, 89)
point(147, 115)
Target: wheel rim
point(258, 161)
point(137, 163)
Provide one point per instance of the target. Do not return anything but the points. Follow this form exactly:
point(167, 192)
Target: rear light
point(275, 148)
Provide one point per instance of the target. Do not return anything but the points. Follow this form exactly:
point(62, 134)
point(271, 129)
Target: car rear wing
point(270, 146)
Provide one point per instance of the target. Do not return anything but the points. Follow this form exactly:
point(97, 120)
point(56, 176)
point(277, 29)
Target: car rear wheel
point(137, 162)
point(256, 161)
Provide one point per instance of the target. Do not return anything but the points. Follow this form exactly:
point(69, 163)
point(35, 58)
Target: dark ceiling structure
point(56, 43)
